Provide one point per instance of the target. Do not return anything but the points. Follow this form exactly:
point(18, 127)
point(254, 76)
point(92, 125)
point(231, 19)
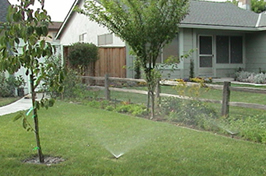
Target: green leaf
point(30, 30)
point(51, 102)
point(44, 30)
point(61, 89)
point(17, 40)
point(39, 31)
point(18, 116)
point(42, 44)
point(24, 123)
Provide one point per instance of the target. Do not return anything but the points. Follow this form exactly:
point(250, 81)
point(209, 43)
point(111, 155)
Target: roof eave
point(66, 19)
point(217, 27)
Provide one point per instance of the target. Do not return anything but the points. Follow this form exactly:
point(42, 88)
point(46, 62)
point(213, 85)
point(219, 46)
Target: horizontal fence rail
point(226, 88)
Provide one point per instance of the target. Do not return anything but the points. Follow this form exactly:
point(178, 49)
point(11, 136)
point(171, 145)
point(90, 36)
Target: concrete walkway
point(20, 105)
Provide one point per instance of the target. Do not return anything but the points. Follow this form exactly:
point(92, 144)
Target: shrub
point(139, 110)
point(251, 128)
point(170, 104)
point(9, 85)
point(94, 104)
point(243, 76)
point(188, 112)
point(125, 108)
point(260, 78)
point(109, 108)
point(82, 54)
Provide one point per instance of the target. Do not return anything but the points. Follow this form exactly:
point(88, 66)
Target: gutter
point(204, 26)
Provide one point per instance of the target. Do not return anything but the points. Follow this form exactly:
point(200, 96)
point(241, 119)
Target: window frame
point(230, 49)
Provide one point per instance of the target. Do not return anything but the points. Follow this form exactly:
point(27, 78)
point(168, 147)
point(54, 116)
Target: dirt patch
point(48, 160)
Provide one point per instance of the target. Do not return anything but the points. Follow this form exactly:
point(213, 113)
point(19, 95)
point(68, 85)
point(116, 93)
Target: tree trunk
point(152, 104)
point(36, 122)
point(148, 101)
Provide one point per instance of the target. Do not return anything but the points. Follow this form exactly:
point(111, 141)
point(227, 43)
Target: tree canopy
point(145, 25)
point(258, 6)
point(22, 44)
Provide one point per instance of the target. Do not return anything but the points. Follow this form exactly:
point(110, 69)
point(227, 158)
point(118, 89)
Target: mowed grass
point(82, 135)
point(8, 100)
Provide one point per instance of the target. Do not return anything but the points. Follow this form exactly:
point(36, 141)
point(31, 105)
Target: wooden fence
point(226, 88)
point(111, 61)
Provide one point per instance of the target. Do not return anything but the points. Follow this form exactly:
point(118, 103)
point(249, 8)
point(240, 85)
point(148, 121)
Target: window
point(229, 49)
point(205, 51)
point(205, 45)
point(82, 37)
point(105, 39)
point(170, 50)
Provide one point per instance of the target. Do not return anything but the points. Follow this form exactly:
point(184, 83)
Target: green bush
point(250, 128)
point(75, 89)
point(82, 54)
point(94, 104)
point(124, 108)
point(109, 108)
point(9, 85)
point(188, 112)
point(170, 105)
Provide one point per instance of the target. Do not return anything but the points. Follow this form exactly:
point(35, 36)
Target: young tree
point(29, 28)
point(146, 25)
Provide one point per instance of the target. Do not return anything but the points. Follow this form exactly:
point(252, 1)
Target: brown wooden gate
point(111, 61)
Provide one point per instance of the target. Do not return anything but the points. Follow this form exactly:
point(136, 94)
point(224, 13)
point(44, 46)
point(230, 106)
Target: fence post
point(226, 99)
point(106, 86)
point(157, 93)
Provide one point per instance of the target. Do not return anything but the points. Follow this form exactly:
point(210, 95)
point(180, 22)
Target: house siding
point(190, 41)
point(256, 52)
point(188, 45)
point(79, 24)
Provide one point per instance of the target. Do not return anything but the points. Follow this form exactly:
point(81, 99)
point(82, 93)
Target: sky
point(57, 9)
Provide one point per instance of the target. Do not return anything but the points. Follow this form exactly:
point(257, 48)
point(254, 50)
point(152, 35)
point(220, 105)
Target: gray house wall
point(188, 38)
point(254, 54)
point(256, 51)
point(190, 41)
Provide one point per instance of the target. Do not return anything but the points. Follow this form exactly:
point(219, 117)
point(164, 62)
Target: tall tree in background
point(146, 25)
point(28, 28)
point(258, 6)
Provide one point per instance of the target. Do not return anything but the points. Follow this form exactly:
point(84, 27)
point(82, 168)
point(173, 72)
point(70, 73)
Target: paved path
point(20, 105)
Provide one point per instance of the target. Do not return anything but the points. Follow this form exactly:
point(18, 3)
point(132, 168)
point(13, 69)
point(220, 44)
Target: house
point(112, 50)
point(52, 31)
point(3, 10)
point(224, 38)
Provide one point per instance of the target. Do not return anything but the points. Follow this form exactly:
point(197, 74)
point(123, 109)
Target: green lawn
point(83, 135)
point(6, 101)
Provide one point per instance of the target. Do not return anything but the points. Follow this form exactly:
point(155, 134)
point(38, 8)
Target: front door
point(205, 53)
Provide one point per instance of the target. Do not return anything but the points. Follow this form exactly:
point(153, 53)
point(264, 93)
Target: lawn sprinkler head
point(117, 156)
